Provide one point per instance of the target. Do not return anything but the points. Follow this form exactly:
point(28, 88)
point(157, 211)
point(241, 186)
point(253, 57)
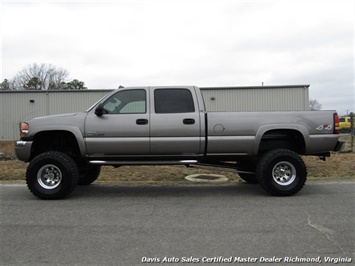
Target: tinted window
point(126, 102)
point(169, 101)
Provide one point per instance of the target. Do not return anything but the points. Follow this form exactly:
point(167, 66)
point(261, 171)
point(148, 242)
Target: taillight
point(336, 124)
point(24, 129)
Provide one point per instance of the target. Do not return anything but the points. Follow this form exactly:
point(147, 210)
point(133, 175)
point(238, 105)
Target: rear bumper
point(23, 150)
point(339, 146)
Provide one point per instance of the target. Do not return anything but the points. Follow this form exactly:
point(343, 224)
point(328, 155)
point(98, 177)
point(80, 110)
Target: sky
point(188, 42)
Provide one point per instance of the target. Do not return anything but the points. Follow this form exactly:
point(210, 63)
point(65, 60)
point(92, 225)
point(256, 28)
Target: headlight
point(24, 129)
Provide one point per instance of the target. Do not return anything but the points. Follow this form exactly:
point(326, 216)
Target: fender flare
point(263, 129)
point(75, 131)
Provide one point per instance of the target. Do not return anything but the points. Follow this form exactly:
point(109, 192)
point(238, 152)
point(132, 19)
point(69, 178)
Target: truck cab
point(147, 122)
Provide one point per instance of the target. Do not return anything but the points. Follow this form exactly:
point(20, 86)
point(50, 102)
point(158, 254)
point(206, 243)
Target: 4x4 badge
point(325, 127)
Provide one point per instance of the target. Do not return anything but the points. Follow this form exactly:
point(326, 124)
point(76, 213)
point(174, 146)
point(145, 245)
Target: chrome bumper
point(23, 150)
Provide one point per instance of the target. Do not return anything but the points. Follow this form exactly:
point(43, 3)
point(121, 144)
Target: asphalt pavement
point(179, 225)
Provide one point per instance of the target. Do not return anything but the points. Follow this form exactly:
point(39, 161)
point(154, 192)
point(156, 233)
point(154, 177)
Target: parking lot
point(197, 224)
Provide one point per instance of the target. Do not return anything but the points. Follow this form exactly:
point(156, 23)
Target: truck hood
point(55, 116)
point(65, 122)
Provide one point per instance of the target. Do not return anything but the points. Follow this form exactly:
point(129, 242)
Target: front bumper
point(23, 150)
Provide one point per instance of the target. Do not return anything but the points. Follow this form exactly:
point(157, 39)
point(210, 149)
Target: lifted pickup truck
point(169, 125)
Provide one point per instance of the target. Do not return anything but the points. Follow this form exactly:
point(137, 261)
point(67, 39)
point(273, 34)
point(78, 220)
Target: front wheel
point(281, 172)
point(52, 175)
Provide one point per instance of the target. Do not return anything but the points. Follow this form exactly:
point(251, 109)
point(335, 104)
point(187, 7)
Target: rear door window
point(169, 101)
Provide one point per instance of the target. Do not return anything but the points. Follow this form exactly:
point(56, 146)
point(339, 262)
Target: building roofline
point(54, 91)
point(258, 87)
point(202, 88)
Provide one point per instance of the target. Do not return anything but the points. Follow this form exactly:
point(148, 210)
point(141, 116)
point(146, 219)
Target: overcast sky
point(202, 43)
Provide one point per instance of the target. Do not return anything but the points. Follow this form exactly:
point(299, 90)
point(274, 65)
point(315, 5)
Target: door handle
point(189, 121)
point(142, 121)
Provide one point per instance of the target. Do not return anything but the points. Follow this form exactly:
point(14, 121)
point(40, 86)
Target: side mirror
point(99, 111)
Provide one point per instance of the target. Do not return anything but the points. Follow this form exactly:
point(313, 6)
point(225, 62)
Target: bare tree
point(40, 77)
point(315, 105)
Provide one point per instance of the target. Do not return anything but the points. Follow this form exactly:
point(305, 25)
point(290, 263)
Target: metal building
point(257, 98)
point(17, 106)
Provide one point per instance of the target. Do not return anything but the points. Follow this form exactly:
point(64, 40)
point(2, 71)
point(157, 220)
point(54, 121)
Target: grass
point(340, 166)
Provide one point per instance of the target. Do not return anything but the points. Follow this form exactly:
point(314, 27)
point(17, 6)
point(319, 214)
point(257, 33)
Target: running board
point(188, 163)
point(118, 163)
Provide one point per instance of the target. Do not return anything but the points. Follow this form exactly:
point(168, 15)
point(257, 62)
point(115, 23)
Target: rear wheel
point(52, 175)
point(281, 172)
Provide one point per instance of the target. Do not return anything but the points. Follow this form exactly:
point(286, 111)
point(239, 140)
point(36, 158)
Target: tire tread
point(264, 180)
point(66, 161)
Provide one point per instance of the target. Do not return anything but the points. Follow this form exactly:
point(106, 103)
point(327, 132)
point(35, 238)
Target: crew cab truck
point(169, 125)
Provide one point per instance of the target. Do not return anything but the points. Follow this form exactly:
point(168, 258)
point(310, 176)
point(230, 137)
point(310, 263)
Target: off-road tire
point(88, 174)
point(52, 175)
point(281, 172)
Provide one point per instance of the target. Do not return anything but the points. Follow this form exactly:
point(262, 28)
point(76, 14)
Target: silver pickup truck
point(169, 125)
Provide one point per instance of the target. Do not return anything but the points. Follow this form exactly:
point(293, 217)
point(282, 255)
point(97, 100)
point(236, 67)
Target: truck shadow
point(171, 191)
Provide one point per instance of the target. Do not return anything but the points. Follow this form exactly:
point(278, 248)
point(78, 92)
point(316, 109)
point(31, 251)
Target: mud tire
point(281, 172)
point(52, 175)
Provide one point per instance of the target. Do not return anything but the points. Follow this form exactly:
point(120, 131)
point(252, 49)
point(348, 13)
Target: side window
point(169, 101)
point(126, 102)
